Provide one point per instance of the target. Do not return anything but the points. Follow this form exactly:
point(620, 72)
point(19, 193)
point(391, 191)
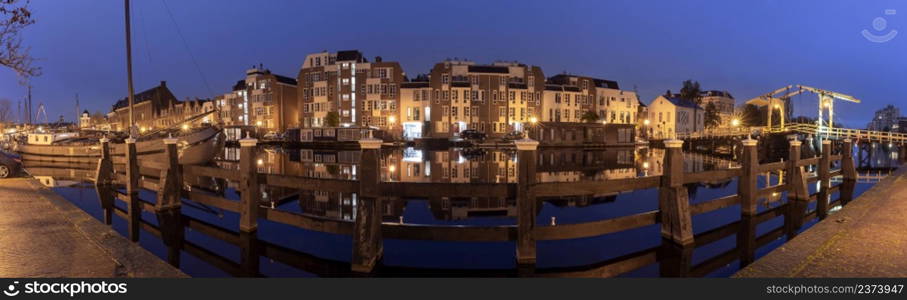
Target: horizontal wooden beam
point(213, 200)
point(710, 176)
point(448, 233)
point(591, 187)
point(596, 228)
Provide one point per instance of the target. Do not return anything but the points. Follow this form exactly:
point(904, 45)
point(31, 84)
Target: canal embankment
point(44, 235)
point(866, 238)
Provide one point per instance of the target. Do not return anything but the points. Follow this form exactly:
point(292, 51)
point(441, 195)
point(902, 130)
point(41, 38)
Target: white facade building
point(672, 116)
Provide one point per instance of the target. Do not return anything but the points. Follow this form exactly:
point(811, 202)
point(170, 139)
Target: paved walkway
point(867, 238)
point(44, 235)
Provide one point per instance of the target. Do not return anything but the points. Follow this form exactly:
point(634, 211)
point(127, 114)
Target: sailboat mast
point(129, 70)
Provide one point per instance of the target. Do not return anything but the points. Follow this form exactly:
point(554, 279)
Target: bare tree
point(15, 16)
point(6, 111)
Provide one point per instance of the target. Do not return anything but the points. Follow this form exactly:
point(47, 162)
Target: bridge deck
point(43, 235)
point(864, 239)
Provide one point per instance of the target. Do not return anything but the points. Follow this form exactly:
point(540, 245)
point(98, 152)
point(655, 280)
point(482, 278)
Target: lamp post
point(645, 128)
point(392, 121)
point(532, 122)
point(781, 113)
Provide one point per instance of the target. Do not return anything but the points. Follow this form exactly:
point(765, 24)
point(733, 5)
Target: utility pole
point(28, 105)
point(77, 119)
point(129, 71)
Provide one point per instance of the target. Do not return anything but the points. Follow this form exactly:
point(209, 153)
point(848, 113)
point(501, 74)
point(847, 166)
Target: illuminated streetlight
point(645, 122)
point(735, 122)
point(533, 120)
point(260, 161)
point(392, 119)
point(258, 123)
point(185, 127)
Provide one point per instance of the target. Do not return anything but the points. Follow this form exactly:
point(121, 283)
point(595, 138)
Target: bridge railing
point(674, 215)
point(848, 133)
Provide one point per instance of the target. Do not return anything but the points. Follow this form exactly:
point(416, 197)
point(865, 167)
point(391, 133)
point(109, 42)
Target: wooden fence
point(674, 213)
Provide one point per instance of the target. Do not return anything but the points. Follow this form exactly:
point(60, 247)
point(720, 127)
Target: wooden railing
point(861, 135)
point(674, 213)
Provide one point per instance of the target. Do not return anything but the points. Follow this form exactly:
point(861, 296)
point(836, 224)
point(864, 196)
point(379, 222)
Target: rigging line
point(186, 45)
point(144, 30)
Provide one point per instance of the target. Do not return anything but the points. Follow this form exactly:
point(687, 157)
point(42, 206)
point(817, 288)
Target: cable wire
point(186, 45)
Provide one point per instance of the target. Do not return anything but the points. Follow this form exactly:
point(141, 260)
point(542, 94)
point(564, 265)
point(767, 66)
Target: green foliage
point(589, 117)
point(691, 91)
point(332, 119)
point(712, 118)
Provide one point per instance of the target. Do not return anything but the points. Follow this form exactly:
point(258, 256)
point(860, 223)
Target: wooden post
point(106, 197)
point(170, 221)
point(902, 153)
point(824, 180)
point(798, 191)
point(746, 239)
point(248, 212)
point(846, 191)
point(526, 205)
point(675, 260)
point(134, 205)
point(848, 168)
point(673, 199)
point(367, 244)
point(104, 171)
point(171, 179)
point(250, 253)
point(746, 187)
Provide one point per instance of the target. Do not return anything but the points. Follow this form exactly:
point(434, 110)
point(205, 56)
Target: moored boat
point(198, 146)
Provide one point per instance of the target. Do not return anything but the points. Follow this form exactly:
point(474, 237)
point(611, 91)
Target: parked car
point(472, 135)
point(9, 165)
point(512, 136)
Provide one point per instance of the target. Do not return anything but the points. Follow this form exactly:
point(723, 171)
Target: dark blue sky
point(746, 48)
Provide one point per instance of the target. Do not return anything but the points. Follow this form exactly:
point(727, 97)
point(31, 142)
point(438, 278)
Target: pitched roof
point(602, 83)
point(489, 69)
point(146, 95)
point(414, 84)
point(285, 79)
point(347, 55)
point(717, 93)
point(240, 85)
point(682, 102)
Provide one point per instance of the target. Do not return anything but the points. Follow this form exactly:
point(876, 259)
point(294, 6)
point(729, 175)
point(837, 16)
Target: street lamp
point(735, 122)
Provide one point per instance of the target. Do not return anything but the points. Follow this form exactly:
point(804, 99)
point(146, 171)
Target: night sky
point(745, 48)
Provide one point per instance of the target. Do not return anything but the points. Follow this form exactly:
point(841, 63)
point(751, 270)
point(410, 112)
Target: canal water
point(212, 256)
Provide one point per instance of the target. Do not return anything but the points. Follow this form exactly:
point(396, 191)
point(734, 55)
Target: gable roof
point(682, 102)
point(165, 96)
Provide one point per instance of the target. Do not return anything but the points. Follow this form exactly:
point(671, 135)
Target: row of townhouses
point(345, 89)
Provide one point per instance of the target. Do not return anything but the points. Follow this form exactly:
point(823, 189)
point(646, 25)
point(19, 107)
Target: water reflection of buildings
point(492, 166)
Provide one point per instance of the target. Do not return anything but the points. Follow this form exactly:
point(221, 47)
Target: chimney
point(377, 58)
point(163, 83)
